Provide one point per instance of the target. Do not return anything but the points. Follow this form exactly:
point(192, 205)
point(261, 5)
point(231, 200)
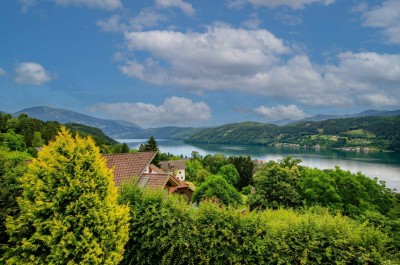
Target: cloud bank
point(174, 110)
point(258, 62)
point(281, 112)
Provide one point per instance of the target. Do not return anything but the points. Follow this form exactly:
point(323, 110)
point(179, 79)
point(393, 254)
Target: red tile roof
point(127, 166)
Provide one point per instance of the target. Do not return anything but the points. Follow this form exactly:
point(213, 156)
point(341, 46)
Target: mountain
point(376, 132)
point(113, 128)
point(366, 113)
point(169, 132)
point(116, 129)
point(282, 122)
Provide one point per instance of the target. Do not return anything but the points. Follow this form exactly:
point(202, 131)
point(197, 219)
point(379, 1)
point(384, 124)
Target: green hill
point(364, 132)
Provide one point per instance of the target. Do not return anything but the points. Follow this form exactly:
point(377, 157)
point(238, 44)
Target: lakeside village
point(318, 147)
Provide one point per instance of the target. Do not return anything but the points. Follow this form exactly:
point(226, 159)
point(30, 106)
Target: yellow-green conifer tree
point(68, 210)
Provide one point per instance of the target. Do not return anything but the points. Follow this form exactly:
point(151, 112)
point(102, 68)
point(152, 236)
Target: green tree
point(68, 209)
point(151, 145)
point(230, 174)
point(12, 167)
point(192, 168)
point(245, 166)
point(276, 185)
point(216, 187)
point(214, 162)
point(37, 140)
point(12, 141)
point(201, 176)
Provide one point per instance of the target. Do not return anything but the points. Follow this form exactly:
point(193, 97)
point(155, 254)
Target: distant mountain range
point(118, 129)
point(323, 117)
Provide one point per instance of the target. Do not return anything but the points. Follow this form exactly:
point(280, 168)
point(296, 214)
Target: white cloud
point(31, 73)
point(257, 62)
point(186, 8)
point(102, 4)
point(293, 4)
point(385, 17)
point(174, 110)
point(147, 18)
point(281, 112)
point(112, 24)
point(2, 72)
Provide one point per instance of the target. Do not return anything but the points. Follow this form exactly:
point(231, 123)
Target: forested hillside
point(23, 133)
point(382, 133)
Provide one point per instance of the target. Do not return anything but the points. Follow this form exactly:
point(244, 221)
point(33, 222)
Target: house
point(130, 166)
point(175, 167)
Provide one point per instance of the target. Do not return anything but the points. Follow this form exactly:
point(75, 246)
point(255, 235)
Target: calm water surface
point(384, 166)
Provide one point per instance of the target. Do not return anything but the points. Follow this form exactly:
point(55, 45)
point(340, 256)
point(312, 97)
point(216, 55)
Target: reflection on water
point(384, 166)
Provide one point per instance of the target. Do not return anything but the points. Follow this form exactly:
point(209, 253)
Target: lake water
point(382, 165)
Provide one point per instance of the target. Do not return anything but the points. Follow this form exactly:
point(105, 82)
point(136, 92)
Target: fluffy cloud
point(256, 61)
point(174, 110)
point(293, 4)
point(386, 17)
point(281, 112)
point(31, 73)
point(185, 7)
point(2, 72)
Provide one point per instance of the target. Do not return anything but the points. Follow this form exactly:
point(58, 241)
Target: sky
point(200, 63)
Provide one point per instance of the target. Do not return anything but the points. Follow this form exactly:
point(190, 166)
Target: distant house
point(130, 166)
point(175, 167)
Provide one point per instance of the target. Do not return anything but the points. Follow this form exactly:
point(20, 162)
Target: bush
point(168, 231)
point(216, 187)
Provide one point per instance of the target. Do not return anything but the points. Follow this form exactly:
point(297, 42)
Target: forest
point(375, 133)
point(61, 207)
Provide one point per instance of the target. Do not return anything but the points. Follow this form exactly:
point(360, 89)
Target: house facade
point(175, 167)
point(137, 167)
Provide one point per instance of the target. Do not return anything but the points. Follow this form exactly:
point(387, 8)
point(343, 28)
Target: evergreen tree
point(151, 145)
point(68, 209)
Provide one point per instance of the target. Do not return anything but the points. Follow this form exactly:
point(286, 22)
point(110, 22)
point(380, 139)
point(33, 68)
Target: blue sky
point(196, 63)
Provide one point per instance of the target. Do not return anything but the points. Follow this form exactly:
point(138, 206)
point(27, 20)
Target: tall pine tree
point(151, 145)
point(68, 208)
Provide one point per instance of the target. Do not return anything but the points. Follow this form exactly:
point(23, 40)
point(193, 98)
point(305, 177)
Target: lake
point(382, 165)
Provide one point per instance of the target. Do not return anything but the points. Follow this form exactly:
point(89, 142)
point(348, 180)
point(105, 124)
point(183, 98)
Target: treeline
point(23, 133)
point(372, 132)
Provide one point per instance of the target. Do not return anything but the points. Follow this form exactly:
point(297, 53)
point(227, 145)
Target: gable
point(129, 165)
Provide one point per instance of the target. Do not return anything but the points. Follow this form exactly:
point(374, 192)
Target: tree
point(276, 185)
point(214, 162)
point(12, 166)
point(230, 174)
point(151, 145)
point(12, 141)
point(216, 187)
point(192, 168)
point(37, 140)
point(245, 166)
point(68, 209)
